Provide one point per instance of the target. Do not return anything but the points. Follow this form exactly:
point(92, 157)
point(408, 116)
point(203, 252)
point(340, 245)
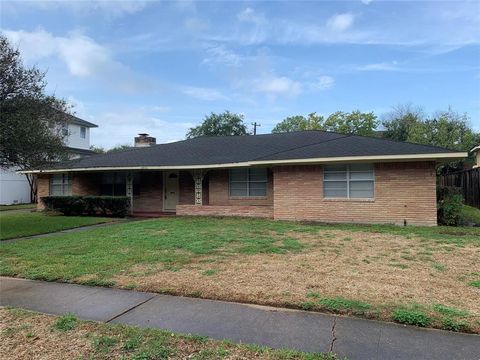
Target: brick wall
point(43, 189)
point(226, 210)
point(149, 197)
point(187, 189)
point(403, 191)
point(86, 184)
point(219, 191)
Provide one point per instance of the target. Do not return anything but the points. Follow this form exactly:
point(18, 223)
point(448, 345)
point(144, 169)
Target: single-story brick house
point(310, 175)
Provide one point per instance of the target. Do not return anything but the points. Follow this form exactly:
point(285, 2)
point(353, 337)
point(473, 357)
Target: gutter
point(376, 158)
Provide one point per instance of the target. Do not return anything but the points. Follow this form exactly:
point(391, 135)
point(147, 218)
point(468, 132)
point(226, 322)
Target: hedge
point(116, 206)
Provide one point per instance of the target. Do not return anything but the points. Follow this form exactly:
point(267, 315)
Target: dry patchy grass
point(383, 270)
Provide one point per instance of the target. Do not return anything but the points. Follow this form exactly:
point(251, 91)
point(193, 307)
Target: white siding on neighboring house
point(14, 188)
point(75, 139)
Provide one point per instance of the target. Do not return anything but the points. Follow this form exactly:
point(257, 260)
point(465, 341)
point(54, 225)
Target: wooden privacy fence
point(469, 181)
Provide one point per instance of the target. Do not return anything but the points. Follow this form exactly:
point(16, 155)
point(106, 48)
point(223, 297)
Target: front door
point(171, 191)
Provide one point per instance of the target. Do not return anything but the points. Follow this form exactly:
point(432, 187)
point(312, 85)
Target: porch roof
point(269, 149)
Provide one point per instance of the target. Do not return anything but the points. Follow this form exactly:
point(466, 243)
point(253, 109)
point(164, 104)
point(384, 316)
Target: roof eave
point(438, 157)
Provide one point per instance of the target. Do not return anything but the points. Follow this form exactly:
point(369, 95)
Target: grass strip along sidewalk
point(26, 334)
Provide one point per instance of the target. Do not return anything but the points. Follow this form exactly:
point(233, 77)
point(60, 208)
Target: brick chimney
point(144, 140)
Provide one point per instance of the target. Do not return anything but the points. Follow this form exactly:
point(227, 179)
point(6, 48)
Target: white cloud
point(83, 57)
point(250, 15)
point(324, 82)
point(274, 85)
point(129, 122)
point(219, 54)
point(341, 22)
point(110, 8)
point(206, 94)
point(384, 66)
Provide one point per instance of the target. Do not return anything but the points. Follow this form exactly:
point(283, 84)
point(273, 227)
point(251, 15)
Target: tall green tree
point(223, 124)
point(400, 122)
point(354, 122)
point(31, 120)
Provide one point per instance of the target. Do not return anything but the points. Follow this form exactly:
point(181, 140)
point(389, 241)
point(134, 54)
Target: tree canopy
point(446, 128)
point(31, 123)
point(223, 124)
point(354, 122)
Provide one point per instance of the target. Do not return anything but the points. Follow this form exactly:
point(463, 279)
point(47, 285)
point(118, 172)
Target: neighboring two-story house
point(14, 188)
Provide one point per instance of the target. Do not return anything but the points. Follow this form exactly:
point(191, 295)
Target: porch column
point(129, 190)
point(198, 178)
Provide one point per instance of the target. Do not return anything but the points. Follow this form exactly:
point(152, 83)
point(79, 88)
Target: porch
point(219, 192)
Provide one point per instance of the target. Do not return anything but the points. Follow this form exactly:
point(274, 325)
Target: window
point(349, 181)
point(83, 132)
point(60, 185)
point(113, 184)
point(248, 182)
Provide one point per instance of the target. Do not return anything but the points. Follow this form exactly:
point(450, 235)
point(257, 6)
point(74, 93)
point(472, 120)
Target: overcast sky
point(161, 66)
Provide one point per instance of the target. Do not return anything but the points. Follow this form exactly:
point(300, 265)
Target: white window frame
point(83, 132)
point(348, 180)
point(66, 184)
point(248, 181)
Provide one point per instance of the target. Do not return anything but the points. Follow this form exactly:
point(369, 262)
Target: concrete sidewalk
point(278, 328)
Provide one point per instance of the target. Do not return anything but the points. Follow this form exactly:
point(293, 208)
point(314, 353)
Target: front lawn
point(423, 276)
point(19, 224)
point(18, 207)
point(28, 335)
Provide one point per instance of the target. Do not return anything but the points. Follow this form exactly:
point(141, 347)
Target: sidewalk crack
point(334, 337)
point(129, 309)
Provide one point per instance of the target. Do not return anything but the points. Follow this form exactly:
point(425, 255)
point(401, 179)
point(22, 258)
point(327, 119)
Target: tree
point(224, 124)
point(31, 124)
point(300, 123)
point(400, 121)
point(354, 122)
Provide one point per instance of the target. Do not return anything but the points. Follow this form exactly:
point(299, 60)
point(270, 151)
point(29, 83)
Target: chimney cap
point(143, 134)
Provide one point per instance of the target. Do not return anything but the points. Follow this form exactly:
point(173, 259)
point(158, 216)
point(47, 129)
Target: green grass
point(66, 322)
point(470, 214)
point(17, 207)
point(449, 311)
point(411, 317)
point(104, 252)
point(475, 283)
point(335, 304)
point(19, 224)
point(117, 341)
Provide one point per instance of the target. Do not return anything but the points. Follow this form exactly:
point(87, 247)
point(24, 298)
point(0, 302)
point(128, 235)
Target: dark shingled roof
point(235, 149)
point(81, 122)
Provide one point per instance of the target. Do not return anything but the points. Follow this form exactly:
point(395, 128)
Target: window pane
point(119, 189)
point(258, 189)
point(238, 189)
point(335, 175)
point(361, 189)
point(56, 190)
point(67, 189)
point(361, 175)
point(361, 167)
point(57, 179)
point(258, 174)
point(83, 132)
point(335, 189)
point(335, 168)
point(238, 175)
point(120, 178)
point(107, 178)
point(106, 190)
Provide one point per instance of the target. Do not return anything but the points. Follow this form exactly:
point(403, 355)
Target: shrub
point(449, 205)
point(411, 317)
point(116, 206)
